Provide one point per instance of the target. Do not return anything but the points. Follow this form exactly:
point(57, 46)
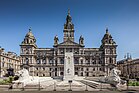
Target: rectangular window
point(36, 68)
point(81, 61)
point(99, 69)
point(76, 61)
point(62, 61)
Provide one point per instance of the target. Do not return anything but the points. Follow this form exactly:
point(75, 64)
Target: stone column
point(47, 61)
point(58, 71)
point(58, 61)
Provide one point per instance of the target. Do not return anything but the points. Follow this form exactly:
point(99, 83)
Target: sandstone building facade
point(129, 67)
point(50, 61)
point(8, 60)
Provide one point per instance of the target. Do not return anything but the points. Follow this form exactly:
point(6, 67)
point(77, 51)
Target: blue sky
point(90, 17)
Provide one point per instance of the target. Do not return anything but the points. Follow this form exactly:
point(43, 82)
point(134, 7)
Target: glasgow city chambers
point(91, 62)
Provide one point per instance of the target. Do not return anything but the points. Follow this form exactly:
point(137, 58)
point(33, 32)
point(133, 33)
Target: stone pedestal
point(69, 66)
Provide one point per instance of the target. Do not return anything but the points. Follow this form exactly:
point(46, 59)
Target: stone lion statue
point(26, 79)
point(114, 78)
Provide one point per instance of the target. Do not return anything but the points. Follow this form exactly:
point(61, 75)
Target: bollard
point(86, 87)
point(54, 86)
point(39, 86)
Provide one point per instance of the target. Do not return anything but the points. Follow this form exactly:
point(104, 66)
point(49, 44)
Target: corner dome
point(29, 38)
point(30, 34)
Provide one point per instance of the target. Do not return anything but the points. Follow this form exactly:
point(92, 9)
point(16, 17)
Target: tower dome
point(29, 38)
point(30, 34)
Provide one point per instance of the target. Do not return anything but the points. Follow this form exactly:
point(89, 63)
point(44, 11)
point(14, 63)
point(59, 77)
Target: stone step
point(90, 84)
point(32, 86)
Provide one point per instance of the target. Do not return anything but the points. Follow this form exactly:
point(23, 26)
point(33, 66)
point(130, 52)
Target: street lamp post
point(127, 76)
point(70, 81)
point(86, 81)
point(54, 86)
point(127, 81)
point(100, 85)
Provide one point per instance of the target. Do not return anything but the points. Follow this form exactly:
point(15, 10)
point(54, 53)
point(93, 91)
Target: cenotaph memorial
point(69, 76)
point(69, 66)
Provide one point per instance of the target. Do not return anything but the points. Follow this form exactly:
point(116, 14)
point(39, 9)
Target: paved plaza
point(4, 89)
point(35, 91)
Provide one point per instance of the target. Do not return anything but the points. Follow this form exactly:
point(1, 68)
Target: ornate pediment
point(69, 42)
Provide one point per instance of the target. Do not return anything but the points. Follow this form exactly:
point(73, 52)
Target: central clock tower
point(68, 28)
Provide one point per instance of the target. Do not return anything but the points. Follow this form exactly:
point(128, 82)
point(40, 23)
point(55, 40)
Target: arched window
point(31, 41)
point(27, 41)
point(27, 61)
point(38, 61)
point(22, 50)
point(87, 74)
point(50, 61)
point(76, 61)
point(76, 73)
point(61, 61)
point(94, 62)
point(100, 69)
point(111, 61)
point(44, 61)
point(81, 73)
point(100, 62)
point(61, 73)
point(81, 61)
